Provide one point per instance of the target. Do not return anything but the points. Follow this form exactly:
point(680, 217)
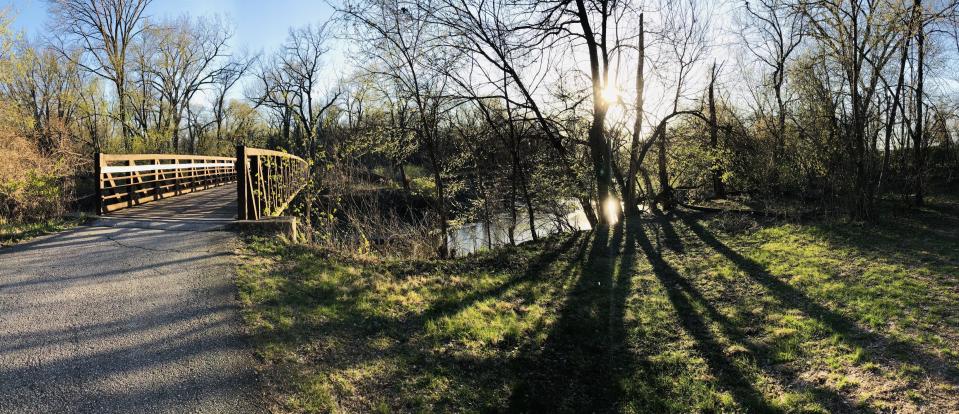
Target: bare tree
point(772, 32)
point(719, 190)
point(859, 36)
point(188, 51)
point(223, 80)
point(403, 51)
point(104, 29)
point(927, 20)
point(302, 60)
point(630, 197)
point(512, 38)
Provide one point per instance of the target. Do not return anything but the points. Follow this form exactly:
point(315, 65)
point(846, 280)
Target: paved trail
point(124, 319)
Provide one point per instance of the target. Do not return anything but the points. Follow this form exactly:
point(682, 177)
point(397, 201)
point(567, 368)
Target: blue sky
point(259, 24)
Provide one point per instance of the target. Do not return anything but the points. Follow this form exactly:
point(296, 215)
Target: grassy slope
point(11, 233)
point(660, 316)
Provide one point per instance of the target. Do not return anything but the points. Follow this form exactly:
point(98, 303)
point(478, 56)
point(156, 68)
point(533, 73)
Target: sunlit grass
point(658, 316)
point(13, 233)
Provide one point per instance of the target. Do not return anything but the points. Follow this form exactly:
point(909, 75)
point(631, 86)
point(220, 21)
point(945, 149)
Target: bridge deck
point(207, 210)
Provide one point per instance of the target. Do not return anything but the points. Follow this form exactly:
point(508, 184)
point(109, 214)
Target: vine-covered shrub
point(30, 185)
point(37, 196)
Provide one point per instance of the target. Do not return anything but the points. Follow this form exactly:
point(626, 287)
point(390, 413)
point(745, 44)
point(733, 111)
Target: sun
point(610, 94)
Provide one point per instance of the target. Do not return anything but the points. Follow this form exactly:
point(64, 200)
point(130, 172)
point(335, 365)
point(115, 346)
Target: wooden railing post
point(241, 196)
point(97, 163)
point(157, 178)
point(131, 191)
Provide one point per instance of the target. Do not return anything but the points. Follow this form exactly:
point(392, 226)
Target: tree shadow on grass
point(665, 234)
point(682, 296)
point(760, 352)
point(418, 357)
point(895, 351)
point(580, 365)
point(532, 270)
point(929, 235)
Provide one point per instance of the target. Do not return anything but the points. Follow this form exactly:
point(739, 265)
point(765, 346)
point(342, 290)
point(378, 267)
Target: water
point(472, 237)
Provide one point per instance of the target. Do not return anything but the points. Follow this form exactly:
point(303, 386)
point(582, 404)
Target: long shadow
point(447, 306)
point(405, 327)
point(534, 269)
point(681, 295)
point(41, 238)
point(104, 276)
point(670, 239)
point(580, 364)
point(925, 236)
point(407, 332)
point(167, 359)
point(892, 349)
point(828, 397)
point(35, 339)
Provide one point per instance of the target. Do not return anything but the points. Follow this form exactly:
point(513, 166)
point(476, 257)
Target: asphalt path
point(125, 316)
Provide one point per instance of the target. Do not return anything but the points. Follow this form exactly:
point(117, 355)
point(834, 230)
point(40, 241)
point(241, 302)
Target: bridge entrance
point(192, 192)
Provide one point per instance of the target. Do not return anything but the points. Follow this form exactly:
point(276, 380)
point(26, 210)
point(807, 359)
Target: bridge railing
point(267, 181)
point(127, 180)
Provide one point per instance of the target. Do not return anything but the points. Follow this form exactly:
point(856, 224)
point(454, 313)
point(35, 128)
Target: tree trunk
point(402, 172)
point(444, 224)
point(918, 134)
point(529, 208)
point(598, 147)
point(630, 199)
point(665, 191)
point(891, 121)
point(511, 231)
point(719, 190)
point(122, 113)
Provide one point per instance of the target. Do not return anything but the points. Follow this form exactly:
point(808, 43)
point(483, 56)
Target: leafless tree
point(104, 29)
point(772, 31)
point(302, 60)
point(187, 53)
point(402, 48)
point(860, 37)
point(223, 80)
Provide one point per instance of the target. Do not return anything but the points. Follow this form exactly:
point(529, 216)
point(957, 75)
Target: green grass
point(689, 314)
point(13, 233)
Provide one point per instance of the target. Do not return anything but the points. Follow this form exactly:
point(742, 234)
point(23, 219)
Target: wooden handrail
point(261, 152)
point(267, 181)
point(127, 180)
point(165, 157)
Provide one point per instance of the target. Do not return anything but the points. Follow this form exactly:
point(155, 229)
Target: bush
point(30, 185)
point(38, 196)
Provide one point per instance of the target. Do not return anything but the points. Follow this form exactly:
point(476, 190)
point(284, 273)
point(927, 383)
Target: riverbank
point(693, 313)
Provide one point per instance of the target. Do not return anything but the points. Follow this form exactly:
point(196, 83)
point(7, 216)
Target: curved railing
point(267, 181)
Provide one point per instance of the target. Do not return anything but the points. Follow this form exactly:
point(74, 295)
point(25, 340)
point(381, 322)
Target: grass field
point(693, 313)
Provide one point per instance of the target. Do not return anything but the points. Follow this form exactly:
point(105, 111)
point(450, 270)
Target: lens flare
point(611, 209)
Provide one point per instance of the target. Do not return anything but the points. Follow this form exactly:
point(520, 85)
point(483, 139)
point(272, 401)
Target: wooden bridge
point(144, 295)
point(186, 191)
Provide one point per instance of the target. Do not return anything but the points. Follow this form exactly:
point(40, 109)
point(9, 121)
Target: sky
point(259, 25)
